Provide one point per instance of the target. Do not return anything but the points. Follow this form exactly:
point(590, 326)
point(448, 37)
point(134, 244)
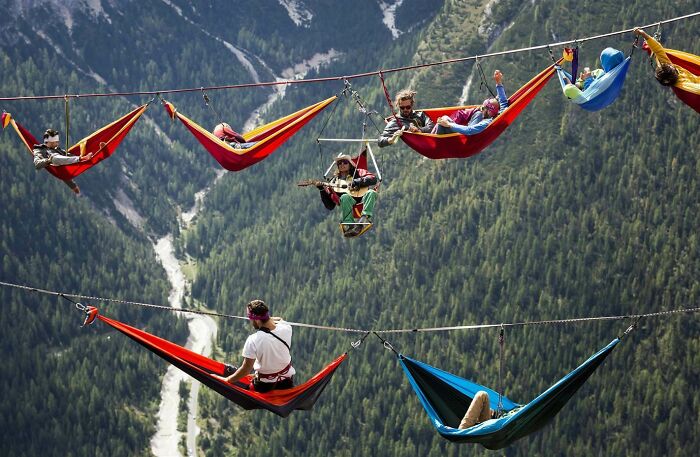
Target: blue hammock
point(446, 398)
point(604, 89)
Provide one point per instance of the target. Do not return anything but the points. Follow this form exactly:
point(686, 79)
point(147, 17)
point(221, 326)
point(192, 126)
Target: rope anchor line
point(355, 76)
point(503, 325)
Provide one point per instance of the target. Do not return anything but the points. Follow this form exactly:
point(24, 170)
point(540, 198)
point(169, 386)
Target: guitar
point(340, 186)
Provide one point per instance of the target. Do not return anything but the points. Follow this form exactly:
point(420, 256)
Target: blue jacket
point(478, 127)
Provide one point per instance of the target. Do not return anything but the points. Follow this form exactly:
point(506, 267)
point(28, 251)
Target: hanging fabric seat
point(446, 397)
point(456, 145)
point(605, 89)
point(691, 63)
point(203, 369)
point(102, 143)
point(268, 137)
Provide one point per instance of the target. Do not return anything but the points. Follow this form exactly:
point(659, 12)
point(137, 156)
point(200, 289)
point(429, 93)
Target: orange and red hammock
point(456, 145)
point(268, 137)
point(110, 136)
point(203, 369)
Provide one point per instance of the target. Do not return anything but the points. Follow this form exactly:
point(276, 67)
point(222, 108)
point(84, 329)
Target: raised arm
point(500, 90)
point(655, 46)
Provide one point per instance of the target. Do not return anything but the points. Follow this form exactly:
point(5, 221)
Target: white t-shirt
point(269, 353)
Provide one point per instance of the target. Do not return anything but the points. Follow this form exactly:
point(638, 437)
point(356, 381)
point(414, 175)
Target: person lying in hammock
point(225, 133)
point(475, 120)
point(479, 411)
point(407, 119)
point(668, 74)
point(49, 154)
point(337, 192)
point(266, 351)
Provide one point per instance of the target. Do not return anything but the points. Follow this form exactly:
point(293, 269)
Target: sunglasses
point(343, 162)
point(405, 108)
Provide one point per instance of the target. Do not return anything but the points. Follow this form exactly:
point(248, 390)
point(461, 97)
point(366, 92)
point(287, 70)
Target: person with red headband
point(225, 133)
point(49, 154)
point(475, 120)
point(266, 351)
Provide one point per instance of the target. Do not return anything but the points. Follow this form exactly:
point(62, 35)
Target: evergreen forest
point(569, 214)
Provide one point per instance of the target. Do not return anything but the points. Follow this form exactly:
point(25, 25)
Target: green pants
point(347, 202)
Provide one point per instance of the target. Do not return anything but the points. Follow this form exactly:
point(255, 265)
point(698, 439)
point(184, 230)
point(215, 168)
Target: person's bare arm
point(245, 369)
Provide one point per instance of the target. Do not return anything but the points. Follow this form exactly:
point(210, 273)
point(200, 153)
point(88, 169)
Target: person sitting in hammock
point(610, 58)
point(225, 133)
point(49, 154)
point(407, 119)
point(668, 74)
point(334, 194)
point(266, 351)
point(475, 120)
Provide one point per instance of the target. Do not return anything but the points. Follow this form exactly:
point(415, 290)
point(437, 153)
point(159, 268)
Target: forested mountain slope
point(72, 391)
point(568, 214)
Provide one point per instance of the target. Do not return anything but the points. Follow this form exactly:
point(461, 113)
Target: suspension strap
point(387, 345)
point(67, 114)
point(632, 326)
point(483, 77)
point(207, 101)
point(635, 45)
point(388, 99)
point(574, 64)
point(323, 127)
point(90, 312)
point(362, 107)
point(501, 343)
point(356, 344)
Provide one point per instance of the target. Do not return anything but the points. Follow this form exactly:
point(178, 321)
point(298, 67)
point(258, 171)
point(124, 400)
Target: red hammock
point(269, 136)
point(280, 402)
point(111, 134)
point(456, 145)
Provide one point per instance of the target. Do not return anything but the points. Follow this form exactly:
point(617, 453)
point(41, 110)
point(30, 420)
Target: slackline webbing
point(346, 77)
point(575, 320)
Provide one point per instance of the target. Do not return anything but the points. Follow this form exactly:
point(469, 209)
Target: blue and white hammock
point(606, 88)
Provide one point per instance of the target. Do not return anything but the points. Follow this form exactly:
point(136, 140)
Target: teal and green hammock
point(446, 398)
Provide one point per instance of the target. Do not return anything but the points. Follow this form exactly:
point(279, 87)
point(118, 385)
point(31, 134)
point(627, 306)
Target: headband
point(257, 317)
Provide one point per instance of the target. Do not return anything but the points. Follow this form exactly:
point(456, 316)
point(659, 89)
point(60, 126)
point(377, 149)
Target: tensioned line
point(341, 78)
point(355, 330)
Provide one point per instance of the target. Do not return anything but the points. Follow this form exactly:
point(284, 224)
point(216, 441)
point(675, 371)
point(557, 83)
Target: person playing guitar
point(349, 186)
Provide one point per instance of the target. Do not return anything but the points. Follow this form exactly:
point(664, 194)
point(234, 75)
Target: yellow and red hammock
point(691, 63)
point(111, 135)
point(268, 137)
point(456, 145)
